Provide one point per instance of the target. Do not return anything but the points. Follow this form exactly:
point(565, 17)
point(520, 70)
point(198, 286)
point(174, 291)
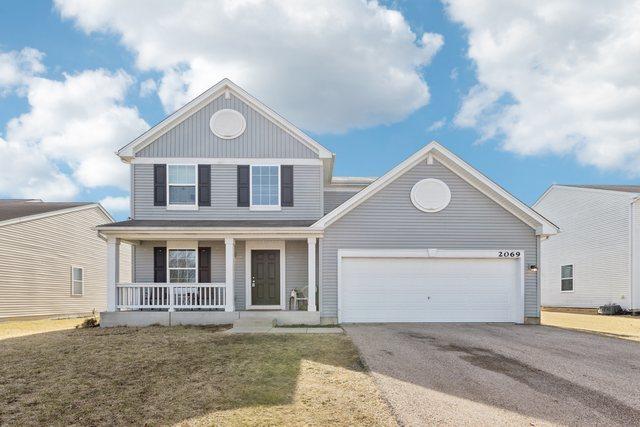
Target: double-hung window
point(182, 183)
point(566, 278)
point(265, 187)
point(182, 266)
point(77, 281)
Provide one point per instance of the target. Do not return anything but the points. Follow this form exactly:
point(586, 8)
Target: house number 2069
point(508, 254)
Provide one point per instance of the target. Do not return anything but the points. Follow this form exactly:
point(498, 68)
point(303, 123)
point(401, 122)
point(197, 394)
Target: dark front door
point(265, 277)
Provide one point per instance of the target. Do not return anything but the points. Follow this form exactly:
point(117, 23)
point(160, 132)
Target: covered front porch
point(201, 276)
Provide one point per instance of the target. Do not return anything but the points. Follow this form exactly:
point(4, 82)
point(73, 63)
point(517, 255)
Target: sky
point(529, 93)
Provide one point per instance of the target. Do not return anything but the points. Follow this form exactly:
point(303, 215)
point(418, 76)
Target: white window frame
point(193, 207)
point(573, 280)
point(72, 281)
point(253, 207)
point(169, 268)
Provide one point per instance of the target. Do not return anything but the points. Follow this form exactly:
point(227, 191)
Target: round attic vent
point(227, 124)
point(430, 195)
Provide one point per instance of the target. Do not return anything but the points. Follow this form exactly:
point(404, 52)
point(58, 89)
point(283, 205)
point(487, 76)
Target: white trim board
point(492, 190)
point(278, 245)
point(225, 161)
point(435, 253)
point(222, 88)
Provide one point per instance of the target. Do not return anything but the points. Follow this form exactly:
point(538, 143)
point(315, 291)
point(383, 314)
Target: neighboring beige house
point(53, 261)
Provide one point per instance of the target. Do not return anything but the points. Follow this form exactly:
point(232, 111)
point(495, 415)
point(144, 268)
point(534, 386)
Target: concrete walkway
point(282, 330)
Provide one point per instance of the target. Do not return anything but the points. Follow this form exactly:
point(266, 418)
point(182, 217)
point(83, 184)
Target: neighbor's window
point(566, 278)
point(182, 185)
point(77, 281)
point(182, 265)
point(265, 186)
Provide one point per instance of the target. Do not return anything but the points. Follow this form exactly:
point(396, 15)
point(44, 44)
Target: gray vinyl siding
point(388, 220)
point(295, 266)
point(333, 199)
point(307, 196)
point(36, 258)
point(193, 137)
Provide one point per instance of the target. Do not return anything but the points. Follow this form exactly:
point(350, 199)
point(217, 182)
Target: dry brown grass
point(19, 328)
point(189, 375)
point(626, 327)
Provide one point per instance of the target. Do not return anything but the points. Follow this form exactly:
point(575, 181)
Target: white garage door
point(430, 290)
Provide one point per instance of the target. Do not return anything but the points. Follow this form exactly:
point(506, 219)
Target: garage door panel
point(428, 290)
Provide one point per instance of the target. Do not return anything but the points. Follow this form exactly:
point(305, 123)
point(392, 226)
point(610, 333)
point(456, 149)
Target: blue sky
point(71, 46)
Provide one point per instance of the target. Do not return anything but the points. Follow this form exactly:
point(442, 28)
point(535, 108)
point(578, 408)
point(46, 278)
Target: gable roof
point(20, 210)
point(435, 150)
point(623, 188)
point(127, 152)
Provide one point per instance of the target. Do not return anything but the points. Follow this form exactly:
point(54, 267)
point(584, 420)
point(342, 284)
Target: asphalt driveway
point(480, 374)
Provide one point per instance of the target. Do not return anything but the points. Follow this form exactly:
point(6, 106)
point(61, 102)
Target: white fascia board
point(461, 168)
point(127, 152)
point(225, 161)
point(58, 212)
point(202, 233)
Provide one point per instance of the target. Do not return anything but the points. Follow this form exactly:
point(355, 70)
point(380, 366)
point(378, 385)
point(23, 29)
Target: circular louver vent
point(227, 124)
point(430, 195)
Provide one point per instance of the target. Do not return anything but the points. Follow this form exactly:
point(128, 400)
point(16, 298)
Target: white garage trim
point(436, 253)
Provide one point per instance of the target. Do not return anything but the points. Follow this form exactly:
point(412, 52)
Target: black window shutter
point(204, 185)
point(243, 185)
point(286, 185)
point(159, 185)
point(204, 265)
point(160, 264)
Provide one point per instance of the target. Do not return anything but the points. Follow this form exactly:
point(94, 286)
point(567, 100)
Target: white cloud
point(148, 87)
point(18, 67)
point(27, 173)
point(556, 77)
point(116, 204)
point(66, 141)
point(438, 124)
point(327, 66)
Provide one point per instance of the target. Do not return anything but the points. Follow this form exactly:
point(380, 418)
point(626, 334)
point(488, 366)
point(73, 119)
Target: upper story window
point(265, 187)
point(182, 184)
point(566, 278)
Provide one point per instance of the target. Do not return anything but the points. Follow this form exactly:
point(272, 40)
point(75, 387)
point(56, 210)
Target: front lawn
point(18, 328)
point(192, 375)
point(626, 327)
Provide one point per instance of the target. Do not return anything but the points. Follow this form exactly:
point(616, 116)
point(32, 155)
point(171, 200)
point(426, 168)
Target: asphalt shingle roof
point(18, 208)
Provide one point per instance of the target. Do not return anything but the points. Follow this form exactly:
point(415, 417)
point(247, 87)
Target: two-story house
point(233, 208)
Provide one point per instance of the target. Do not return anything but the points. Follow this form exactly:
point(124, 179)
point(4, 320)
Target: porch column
point(113, 271)
point(229, 253)
point(311, 273)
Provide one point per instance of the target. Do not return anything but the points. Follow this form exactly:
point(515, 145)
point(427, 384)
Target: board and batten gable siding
point(595, 237)
point(333, 199)
point(295, 265)
point(36, 257)
point(307, 196)
point(261, 139)
point(388, 220)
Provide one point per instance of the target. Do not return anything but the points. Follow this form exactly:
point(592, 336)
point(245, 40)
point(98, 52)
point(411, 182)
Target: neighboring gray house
point(233, 208)
point(52, 260)
point(595, 260)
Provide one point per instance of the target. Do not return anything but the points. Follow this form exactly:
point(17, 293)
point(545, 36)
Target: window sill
point(566, 292)
point(265, 208)
point(182, 207)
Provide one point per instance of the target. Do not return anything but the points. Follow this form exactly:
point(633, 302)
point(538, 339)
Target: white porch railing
point(170, 296)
